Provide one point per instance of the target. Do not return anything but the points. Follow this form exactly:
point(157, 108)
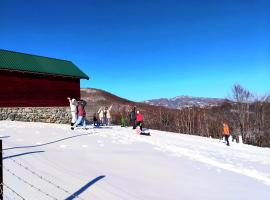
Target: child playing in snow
point(139, 121)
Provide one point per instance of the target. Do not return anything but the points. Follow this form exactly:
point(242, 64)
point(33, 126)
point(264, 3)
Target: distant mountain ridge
point(96, 98)
point(186, 101)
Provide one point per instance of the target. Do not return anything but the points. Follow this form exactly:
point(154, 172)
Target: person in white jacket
point(73, 108)
point(109, 115)
point(100, 114)
point(105, 115)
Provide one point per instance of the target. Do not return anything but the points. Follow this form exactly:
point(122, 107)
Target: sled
point(145, 131)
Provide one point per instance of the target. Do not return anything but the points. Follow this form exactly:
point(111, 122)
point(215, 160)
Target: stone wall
point(60, 115)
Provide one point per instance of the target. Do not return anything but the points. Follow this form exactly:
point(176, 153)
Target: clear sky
point(145, 49)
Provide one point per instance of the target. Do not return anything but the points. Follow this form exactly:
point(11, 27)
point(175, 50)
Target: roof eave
point(87, 78)
point(41, 73)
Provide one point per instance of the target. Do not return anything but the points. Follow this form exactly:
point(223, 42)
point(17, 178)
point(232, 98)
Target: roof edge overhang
point(48, 74)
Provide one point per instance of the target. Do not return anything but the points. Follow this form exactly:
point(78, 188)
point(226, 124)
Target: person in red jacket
point(139, 120)
point(81, 116)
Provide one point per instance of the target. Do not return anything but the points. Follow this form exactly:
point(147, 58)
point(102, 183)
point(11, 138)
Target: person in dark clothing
point(133, 117)
point(95, 120)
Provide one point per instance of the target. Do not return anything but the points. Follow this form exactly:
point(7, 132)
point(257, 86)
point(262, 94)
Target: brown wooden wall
point(36, 90)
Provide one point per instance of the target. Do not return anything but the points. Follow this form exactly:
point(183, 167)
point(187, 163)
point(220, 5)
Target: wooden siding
point(36, 90)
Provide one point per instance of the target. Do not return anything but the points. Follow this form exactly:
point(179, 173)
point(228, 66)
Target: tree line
point(248, 116)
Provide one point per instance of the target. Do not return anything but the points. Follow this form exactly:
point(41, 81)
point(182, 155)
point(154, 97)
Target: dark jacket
point(133, 115)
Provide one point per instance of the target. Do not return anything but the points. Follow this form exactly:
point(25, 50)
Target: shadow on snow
point(2, 137)
point(39, 145)
point(21, 154)
point(85, 187)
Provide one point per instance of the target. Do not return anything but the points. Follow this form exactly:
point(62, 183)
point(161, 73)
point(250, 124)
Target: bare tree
point(261, 121)
point(242, 98)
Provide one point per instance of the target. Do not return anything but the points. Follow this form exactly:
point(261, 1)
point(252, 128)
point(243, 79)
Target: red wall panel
point(33, 90)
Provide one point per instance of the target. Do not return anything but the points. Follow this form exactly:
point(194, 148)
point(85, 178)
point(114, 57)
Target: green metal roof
point(11, 60)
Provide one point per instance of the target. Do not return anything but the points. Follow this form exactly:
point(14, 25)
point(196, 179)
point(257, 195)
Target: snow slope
point(49, 161)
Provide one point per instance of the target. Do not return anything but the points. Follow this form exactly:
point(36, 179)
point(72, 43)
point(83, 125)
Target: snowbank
point(49, 161)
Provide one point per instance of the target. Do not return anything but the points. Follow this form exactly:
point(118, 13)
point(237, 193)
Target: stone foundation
point(60, 115)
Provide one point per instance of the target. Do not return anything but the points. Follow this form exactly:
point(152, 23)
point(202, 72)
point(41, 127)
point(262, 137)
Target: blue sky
point(145, 49)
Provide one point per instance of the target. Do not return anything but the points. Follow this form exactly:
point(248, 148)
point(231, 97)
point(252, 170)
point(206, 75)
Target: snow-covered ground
point(50, 161)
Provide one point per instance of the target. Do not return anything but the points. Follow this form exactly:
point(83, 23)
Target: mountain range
point(96, 98)
point(186, 101)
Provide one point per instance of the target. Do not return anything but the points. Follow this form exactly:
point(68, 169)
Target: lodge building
point(34, 88)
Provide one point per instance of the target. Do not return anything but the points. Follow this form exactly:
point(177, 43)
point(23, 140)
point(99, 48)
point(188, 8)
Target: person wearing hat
point(73, 109)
